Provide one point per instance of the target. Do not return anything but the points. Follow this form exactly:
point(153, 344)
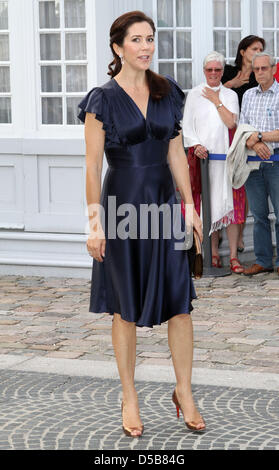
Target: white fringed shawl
point(203, 125)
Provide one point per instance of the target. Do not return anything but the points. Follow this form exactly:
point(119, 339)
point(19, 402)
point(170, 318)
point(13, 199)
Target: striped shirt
point(260, 109)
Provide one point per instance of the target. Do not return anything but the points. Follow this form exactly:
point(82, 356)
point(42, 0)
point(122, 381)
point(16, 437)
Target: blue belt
point(221, 156)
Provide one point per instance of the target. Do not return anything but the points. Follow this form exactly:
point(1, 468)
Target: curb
point(146, 373)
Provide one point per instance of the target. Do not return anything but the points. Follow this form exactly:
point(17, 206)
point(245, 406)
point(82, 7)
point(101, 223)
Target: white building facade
point(51, 53)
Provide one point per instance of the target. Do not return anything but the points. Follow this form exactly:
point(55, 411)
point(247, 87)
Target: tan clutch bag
point(195, 257)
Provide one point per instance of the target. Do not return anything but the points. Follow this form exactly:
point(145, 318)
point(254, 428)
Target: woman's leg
point(233, 235)
point(216, 262)
point(124, 344)
point(215, 243)
point(180, 337)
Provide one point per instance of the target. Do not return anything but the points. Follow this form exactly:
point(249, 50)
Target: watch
point(219, 105)
point(260, 136)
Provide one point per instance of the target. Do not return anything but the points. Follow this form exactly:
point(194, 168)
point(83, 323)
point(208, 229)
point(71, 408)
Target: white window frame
point(202, 33)
point(244, 27)
point(71, 129)
point(8, 64)
point(174, 29)
point(25, 74)
point(260, 23)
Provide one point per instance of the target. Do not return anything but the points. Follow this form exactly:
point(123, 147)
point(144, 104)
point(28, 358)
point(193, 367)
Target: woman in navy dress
point(141, 281)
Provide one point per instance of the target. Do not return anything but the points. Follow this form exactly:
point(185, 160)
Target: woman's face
point(251, 50)
point(213, 73)
point(138, 46)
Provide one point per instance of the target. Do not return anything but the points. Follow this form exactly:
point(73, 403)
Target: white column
point(202, 36)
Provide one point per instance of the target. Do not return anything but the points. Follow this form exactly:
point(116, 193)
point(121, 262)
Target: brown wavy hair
point(158, 85)
point(244, 44)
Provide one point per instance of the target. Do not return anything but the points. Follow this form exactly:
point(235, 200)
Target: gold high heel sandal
point(128, 431)
point(191, 425)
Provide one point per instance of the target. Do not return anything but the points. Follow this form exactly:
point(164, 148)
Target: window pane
point(49, 14)
point(52, 111)
point(220, 42)
point(74, 13)
point(4, 15)
point(234, 15)
point(166, 69)
point(5, 80)
point(183, 45)
point(50, 46)
point(75, 46)
point(269, 38)
point(76, 78)
point(183, 13)
point(268, 15)
point(51, 78)
point(234, 39)
point(4, 47)
point(219, 13)
point(277, 16)
point(184, 75)
point(165, 41)
point(5, 111)
point(72, 110)
point(165, 13)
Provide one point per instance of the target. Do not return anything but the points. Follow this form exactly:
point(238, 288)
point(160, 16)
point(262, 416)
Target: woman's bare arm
point(95, 141)
point(180, 170)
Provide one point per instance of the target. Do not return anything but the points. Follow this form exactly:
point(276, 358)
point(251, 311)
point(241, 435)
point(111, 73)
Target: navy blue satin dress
point(147, 281)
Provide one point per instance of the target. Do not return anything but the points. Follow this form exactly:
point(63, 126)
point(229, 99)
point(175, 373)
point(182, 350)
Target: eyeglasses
point(263, 69)
point(214, 70)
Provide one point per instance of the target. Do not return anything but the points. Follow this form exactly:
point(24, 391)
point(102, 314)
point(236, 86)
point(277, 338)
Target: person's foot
point(132, 425)
point(236, 267)
point(256, 269)
point(240, 246)
point(192, 417)
point(216, 261)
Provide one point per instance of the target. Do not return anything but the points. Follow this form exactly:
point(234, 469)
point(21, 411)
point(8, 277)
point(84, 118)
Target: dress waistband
point(122, 165)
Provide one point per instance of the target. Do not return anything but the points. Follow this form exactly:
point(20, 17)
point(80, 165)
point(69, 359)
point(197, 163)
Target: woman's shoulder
point(96, 101)
point(174, 86)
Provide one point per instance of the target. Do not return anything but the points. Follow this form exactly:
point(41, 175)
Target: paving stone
point(163, 355)
point(244, 311)
point(211, 345)
point(225, 357)
point(238, 340)
point(55, 412)
point(64, 354)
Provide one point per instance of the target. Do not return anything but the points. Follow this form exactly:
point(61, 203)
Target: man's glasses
point(214, 70)
point(263, 69)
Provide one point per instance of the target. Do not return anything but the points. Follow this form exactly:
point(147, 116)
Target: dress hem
point(110, 312)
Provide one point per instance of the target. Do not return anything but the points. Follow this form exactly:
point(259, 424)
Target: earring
point(122, 59)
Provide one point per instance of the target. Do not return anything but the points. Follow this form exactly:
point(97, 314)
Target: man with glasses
point(260, 109)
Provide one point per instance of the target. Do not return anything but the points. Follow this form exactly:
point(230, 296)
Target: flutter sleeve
point(178, 100)
point(96, 102)
point(93, 103)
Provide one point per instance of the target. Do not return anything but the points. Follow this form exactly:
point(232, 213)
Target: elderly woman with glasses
point(211, 113)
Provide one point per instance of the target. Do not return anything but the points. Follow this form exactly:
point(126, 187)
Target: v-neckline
point(133, 101)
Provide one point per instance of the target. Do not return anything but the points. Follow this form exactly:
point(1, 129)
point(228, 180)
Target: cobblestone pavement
point(49, 411)
point(236, 323)
point(236, 328)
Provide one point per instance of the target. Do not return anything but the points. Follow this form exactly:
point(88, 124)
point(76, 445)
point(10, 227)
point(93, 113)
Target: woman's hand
point(197, 224)
point(237, 81)
point(96, 246)
point(211, 95)
point(201, 151)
